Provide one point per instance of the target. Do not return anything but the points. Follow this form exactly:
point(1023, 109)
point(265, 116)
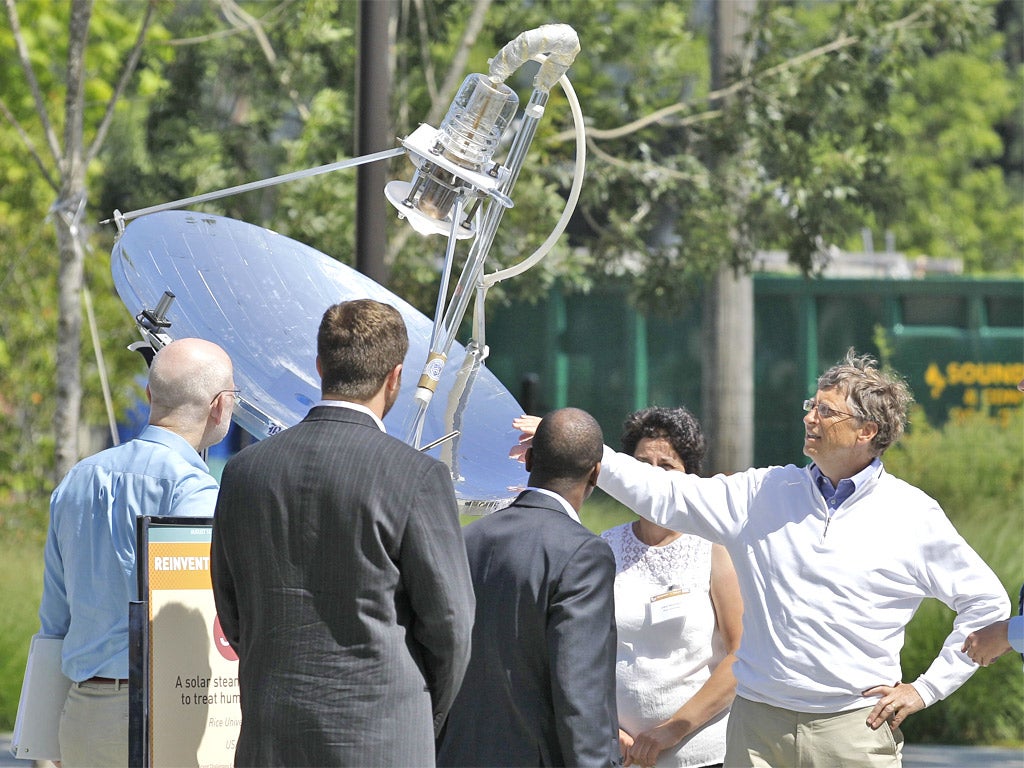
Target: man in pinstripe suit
point(339, 570)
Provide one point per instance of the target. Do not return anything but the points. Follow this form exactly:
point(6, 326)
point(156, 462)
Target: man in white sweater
point(833, 560)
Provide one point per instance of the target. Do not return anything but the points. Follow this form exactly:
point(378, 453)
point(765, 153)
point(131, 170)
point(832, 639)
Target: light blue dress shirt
point(89, 572)
point(1015, 633)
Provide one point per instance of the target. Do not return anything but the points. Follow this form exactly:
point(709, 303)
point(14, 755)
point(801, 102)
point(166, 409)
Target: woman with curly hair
point(678, 614)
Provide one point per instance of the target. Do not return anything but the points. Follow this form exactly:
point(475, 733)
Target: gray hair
point(872, 394)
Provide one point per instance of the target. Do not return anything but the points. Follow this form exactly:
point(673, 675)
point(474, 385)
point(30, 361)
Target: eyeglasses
point(233, 392)
point(826, 411)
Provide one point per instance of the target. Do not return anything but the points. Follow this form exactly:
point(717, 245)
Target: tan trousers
point(763, 735)
point(94, 726)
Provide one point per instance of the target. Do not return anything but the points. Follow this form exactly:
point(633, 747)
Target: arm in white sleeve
point(713, 508)
point(957, 576)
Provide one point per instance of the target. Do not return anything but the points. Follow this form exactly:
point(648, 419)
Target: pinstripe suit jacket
point(341, 580)
point(540, 688)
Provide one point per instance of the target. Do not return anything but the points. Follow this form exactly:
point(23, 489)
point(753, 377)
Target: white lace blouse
point(667, 647)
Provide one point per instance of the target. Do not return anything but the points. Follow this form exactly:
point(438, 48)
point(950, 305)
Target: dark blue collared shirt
point(834, 497)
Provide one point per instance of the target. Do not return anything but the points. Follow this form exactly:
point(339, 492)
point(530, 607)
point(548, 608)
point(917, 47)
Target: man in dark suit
point(540, 688)
point(339, 570)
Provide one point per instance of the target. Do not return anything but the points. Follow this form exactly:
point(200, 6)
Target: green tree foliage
point(848, 113)
point(802, 151)
point(32, 179)
point(958, 202)
point(27, 324)
point(821, 136)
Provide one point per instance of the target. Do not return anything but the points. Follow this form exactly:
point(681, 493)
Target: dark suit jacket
point(540, 688)
point(341, 581)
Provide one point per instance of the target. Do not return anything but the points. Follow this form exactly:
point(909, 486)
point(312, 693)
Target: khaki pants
point(94, 726)
point(763, 735)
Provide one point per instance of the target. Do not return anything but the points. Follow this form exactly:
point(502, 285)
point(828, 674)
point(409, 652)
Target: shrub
point(974, 467)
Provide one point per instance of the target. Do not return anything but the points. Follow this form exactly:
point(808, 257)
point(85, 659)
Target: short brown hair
point(359, 343)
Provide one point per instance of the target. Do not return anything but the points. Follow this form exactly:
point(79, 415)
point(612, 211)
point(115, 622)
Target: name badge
point(667, 605)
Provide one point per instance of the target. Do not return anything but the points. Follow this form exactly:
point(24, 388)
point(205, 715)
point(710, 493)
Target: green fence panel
point(958, 341)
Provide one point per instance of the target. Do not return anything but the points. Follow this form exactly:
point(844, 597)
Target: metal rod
point(489, 219)
point(293, 176)
point(446, 275)
point(443, 438)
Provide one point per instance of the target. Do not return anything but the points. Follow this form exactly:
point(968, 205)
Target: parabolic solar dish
point(261, 296)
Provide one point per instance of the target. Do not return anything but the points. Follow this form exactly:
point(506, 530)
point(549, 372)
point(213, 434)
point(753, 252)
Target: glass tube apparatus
point(455, 160)
point(459, 192)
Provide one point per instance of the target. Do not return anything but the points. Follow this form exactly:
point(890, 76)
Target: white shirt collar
point(565, 504)
point(355, 407)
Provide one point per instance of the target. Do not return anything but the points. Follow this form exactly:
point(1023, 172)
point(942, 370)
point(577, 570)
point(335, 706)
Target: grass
point(21, 573)
point(600, 512)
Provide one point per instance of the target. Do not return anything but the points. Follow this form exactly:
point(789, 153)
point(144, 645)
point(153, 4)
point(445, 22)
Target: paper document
point(42, 698)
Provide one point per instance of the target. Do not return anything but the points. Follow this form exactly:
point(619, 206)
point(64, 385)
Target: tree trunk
point(67, 214)
point(727, 382)
point(727, 378)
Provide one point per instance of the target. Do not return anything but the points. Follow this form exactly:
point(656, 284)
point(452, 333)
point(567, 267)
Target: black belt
point(107, 680)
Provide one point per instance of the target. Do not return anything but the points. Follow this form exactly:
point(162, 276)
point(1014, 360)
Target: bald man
point(90, 569)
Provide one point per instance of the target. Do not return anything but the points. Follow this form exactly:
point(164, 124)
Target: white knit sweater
point(824, 613)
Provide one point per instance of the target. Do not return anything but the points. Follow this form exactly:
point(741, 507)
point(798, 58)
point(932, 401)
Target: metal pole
point(373, 133)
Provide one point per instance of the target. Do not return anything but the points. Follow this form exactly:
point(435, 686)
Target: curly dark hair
point(677, 425)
